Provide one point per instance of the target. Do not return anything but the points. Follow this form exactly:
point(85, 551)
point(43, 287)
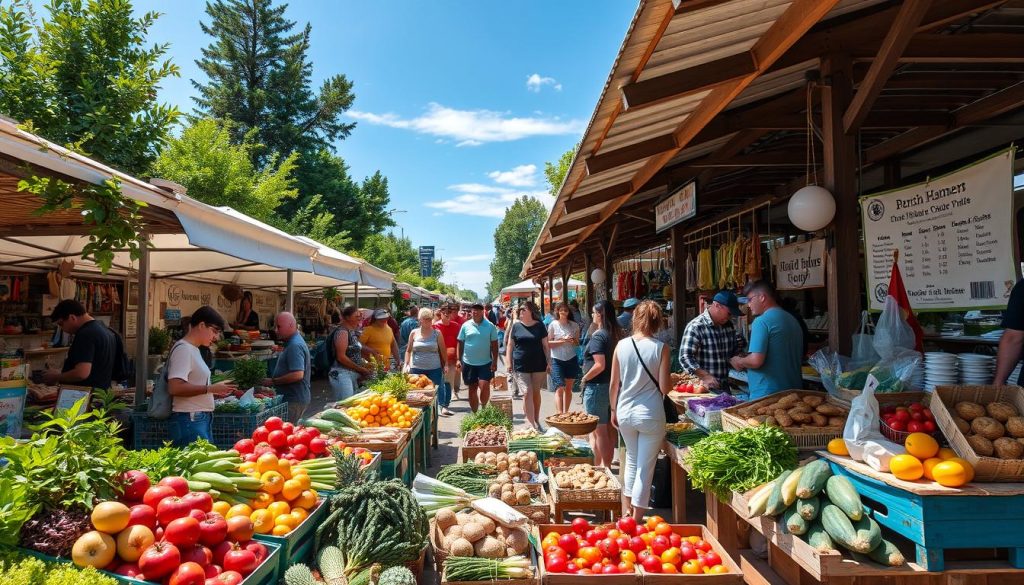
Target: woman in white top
point(563, 339)
point(426, 354)
point(188, 380)
point(639, 382)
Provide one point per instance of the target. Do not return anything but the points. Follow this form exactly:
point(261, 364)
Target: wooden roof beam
point(961, 48)
point(884, 63)
point(628, 154)
point(681, 6)
point(687, 81)
point(560, 229)
point(581, 202)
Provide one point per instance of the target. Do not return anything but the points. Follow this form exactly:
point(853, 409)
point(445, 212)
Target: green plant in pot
point(159, 341)
point(249, 372)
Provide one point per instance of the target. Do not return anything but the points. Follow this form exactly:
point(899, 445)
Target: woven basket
point(612, 494)
point(943, 405)
point(503, 403)
point(573, 429)
point(805, 438)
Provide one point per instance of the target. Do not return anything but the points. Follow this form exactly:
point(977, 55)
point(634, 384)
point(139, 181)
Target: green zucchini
point(789, 486)
point(321, 425)
point(794, 522)
point(813, 479)
point(869, 535)
point(887, 554)
point(819, 539)
point(809, 508)
point(841, 492)
point(775, 504)
point(759, 501)
point(861, 536)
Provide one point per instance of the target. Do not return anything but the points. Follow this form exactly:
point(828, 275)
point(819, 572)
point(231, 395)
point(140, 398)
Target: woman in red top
point(449, 329)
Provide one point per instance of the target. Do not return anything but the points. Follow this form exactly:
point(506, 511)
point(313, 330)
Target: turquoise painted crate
point(936, 523)
point(297, 545)
point(267, 573)
point(402, 466)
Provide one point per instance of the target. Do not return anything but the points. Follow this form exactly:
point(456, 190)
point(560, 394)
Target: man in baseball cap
point(626, 318)
point(710, 340)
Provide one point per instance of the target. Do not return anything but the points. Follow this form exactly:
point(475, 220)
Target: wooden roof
point(715, 90)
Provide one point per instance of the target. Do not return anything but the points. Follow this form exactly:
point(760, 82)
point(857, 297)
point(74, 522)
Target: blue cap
point(728, 298)
point(630, 303)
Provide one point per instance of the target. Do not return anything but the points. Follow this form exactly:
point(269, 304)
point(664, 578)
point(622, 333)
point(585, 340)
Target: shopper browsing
point(773, 364)
point(478, 356)
point(188, 380)
point(527, 351)
point(626, 318)
point(710, 340)
point(93, 352)
point(563, 339)
point(639, 382)
point(292, 374)
point(426, 354)
point(407, 326)
point(349, 356)
point(449, 329)
point(597, 359)
point(380, 339)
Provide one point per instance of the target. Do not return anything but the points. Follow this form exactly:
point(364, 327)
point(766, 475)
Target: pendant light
point(812, 207)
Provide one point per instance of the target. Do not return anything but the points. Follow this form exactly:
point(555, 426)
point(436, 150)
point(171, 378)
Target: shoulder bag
point(671, 414)
point(161, 401)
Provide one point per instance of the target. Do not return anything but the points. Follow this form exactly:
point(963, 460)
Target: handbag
point(671, 414)
point(160, 403)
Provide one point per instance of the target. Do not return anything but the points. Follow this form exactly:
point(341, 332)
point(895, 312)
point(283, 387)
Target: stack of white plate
point(917, 379)
point(976, 368)
point(940, 369)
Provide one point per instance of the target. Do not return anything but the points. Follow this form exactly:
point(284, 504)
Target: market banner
point(800, 266)
point(677, 207)
point(954, 236)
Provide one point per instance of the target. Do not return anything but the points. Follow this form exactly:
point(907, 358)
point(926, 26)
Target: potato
point(969, 410)
point(770, 421)
point(813, 400)
point(1007, 448)
point(1015, 426)
point(964, 426)
point(829, 410)
point(837, 421)
point(800, 417)
point(783, 419)
point(1001, 411)
point(987, 427)
point(801, 407)
point(981, 445)
point(819, 420)
point(756, 420)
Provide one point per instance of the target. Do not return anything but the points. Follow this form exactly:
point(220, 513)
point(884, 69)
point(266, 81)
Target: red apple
point(183, 532)
point(159, 560)
point(135, 485)
point(179, 484)
point(156, 493)
point(142, 515)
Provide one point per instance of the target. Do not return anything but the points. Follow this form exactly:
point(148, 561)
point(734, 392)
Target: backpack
point(161, 401)
point(122, 369)
point(332, 356)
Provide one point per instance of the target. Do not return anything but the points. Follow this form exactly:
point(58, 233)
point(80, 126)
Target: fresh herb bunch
point(488, 415)
point(727, 462)
point(472, 477)
point(26, 570)
point(161, 462)
point(394, 384)
point(249, 372)
point(15, 509)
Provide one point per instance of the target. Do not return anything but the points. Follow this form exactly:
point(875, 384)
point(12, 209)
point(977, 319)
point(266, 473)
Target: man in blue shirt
point(410, 322)
point(292, 374)
point(773, 364)
point(478, 356)
point(626, 318)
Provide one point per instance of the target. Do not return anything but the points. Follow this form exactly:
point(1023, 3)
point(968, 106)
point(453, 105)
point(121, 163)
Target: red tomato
point(669, 568)
point(641, 530)
point(916, 415)
point(238, 559)
point(159, 560)
point(580, 526)
point(245, 446)
point(928, 426)
point(663, 529)
point(902, 415)
point(213, 530)
point(610, 570)
point(672, 555)
point(928, 414)
point(687, 552)
point(278, 439)
point(623, 542)
point(711, 559)
point(915, 427)
point(915, 407)
point(225, 578)
point(555, 550)
point(201, 501)
point(590, 554)
point(897, 425)
point(273, 423)
point(568, 543)
point(651, 564)
point(608, 547)
point(188, 573)
point(592, 538)
point(601, 533)
point(317, 446)
point(261, 433)
point(692, 567)
point(288, 428)
point(555, 564)
point(627, 525)
point(637, 544)
point(183, 532)
point(313, 432)
point(143, 515)
point(177, 483)
point(660, 544)
point(300, 451)
point(172, 508)
point(571, 568)
point(703, 545)
point(625, 567)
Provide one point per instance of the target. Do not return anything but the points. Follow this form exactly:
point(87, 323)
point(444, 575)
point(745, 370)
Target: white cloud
point(535, 82)
point(473, 127)
point(521, 176)
point(489, 202)
point(471, 258)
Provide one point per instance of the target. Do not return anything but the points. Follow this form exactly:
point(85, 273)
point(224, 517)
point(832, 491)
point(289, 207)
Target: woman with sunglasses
point(188, 380)
point(597, 360)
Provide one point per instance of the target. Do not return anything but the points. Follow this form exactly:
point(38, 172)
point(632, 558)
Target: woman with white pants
point(639, 381)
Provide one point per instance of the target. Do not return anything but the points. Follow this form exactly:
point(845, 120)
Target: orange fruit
point(300, 514)
point(266, 462)
point(928, 464)
point(286, 520)
point(262, 521)
point(291, 489)
point(303, 479)
point(946, 453)
point(247, 466)
point(966, 465)
point(238, 510)
point(272, 482)
point(262, 500)
point(306, 499)
point(278, 509)
point(837, 446)
point(280, 530)
point(951, 473)
point(922, 445)
point(284, 467)
point(110, 517)
point(906, 467)
point(221, 507)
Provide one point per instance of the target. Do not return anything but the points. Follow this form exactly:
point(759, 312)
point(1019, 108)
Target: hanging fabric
point(691, 273)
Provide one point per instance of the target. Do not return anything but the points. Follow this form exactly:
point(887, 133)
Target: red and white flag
point(899, 292)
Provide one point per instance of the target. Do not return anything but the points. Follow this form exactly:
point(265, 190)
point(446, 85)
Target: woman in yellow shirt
point(380, 339)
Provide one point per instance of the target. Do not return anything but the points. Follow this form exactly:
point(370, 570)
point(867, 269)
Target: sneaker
point(445, 411)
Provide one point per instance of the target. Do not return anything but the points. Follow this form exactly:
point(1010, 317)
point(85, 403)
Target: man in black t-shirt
point(1012, 342)
point(90, 360)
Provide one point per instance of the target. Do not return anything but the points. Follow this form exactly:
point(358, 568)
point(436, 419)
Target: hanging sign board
point(800, 266)
point(677, 207)
point(954, 236)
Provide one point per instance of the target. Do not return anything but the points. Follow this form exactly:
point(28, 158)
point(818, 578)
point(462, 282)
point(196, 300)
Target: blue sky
point(459, 104)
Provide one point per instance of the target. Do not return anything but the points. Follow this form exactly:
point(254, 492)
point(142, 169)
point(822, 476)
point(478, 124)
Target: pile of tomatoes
point(286, 441)
point(622, 547)
point(913, 418)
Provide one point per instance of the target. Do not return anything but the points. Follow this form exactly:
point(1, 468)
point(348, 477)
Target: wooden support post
point(841, 179)
point(142, 322)
point(588, 267)
point(541, 284)
point(565, 282)
point(678, 281)
point(289, 303)
point(551, 292)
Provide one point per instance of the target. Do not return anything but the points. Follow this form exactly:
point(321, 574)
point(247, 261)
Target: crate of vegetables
point(568, 555)
point(811, 419)
point(583, 483)
point(473, 534)
point(487, 439)
point(530, 499)
point(706, 410)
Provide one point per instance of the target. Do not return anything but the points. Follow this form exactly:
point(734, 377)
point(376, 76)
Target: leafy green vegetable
point(725, 462)
point(14, 510)
point(25, 570)
point(249, 372)
point(156, 463)
point(394, 384)
point(488, 415)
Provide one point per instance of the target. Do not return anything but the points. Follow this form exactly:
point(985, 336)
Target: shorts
point(472, 374)
point(562, 370)
point(595, 402)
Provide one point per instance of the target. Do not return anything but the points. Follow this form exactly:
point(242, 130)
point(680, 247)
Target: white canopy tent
point(528, 287)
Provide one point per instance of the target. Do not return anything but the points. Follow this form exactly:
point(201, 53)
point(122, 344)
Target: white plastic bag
point(863, 439)
point(864, 353)
point(500, 512)
point(248, 398)
point(892, 333)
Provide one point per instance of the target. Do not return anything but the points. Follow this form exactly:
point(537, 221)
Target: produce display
point(684, 434)
point(584, 476)
point(486, 416)
point(622, 547)
point(790, 410)
point(572, 417)
point(523, 460)
point(824, 510)
point(995, 429)
point(553, 442)
point(484, 569)
point(286, 441)
point(376, 410)
point(418, 381)
point(727, 462)
point(913, 417)
point(702, 406)
point(472, 534)
point(395, 385)
point(490, 435)
point(688, 384)
point(924, 458)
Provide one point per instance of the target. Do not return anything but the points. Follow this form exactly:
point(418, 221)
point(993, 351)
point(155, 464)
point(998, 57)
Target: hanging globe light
point(811, 208)
point(558, 285)
point(597, 276)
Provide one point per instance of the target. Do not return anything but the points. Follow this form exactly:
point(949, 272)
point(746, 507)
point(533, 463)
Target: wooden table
point(679, 476)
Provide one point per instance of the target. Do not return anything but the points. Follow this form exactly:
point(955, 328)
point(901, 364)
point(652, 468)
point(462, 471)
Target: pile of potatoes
point(471, 534)
point(995, 429)
point(514, 467)
point(792, 410)
point(583, 476)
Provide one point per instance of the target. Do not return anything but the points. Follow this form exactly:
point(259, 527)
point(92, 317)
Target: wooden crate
point(297, 545)
point(733, 577)
point(466, 454)
point(805, 439)
point(504, 403)
point(388, 450)
point(574, 496)
point(538, 512)
point(566, 578)
point(943, 408)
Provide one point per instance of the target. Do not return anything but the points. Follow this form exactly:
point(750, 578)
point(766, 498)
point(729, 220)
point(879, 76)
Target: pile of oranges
point(283, 501)
point(925, 459)
point(383, 411)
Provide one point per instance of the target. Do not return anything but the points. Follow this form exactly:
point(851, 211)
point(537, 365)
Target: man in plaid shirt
point(710, 340)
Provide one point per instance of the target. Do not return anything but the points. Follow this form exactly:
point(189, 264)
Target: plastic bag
point(248, 398)
point(863, 439)
point(892, 333)
point(863, 343)
point(830, 366)
point(895, 373)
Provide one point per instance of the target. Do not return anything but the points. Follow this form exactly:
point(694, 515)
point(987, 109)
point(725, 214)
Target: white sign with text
point(800, 266)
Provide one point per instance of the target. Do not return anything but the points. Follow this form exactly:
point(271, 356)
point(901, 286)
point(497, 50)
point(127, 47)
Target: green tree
point(555, 172)
point(392, 253)
point(84, 77)
point(218, 172)
point(513, 239)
